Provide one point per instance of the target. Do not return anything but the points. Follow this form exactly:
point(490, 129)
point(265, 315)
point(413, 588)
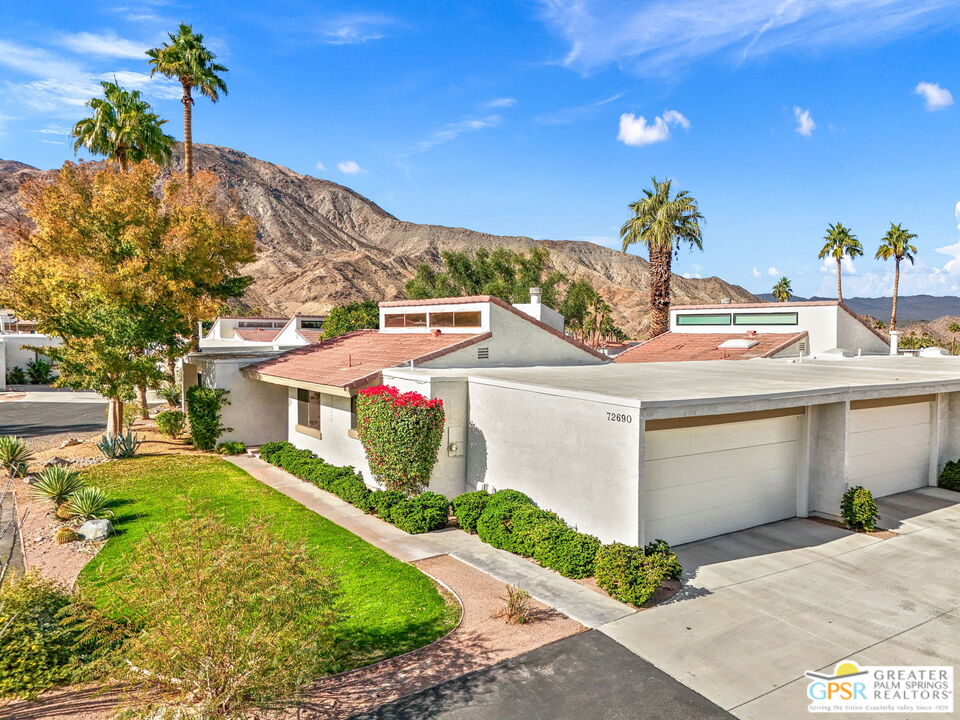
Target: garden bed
point(879, 533)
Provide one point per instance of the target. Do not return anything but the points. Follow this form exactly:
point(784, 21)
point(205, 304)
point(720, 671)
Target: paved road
point(47, 424)
point(583, 677)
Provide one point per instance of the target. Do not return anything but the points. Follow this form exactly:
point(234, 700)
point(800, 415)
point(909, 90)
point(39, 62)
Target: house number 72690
point(619, 417)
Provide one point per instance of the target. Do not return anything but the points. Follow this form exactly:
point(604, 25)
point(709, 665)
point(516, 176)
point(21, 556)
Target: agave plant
point(89, 502)
point(119, 446)
point(15, 455)
point(57, 484)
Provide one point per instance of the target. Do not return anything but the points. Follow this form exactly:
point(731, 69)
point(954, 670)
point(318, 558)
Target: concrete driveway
point(763, 606)
point(47, 416)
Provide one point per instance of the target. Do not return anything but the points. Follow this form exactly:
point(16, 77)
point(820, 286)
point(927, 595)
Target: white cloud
point(956, 214)
point(320, 166)
point(936, 97)
point(354, 29)
point(772, 271)
point(349, 167)
point(502, 102)
point(107, 44)
point(829, 265)
point(53, 131)
point(634, 129)
point(690, 275)
point(655, 36)
point(756, 273)
point(451, 131)
point(568, 115)
point(157, 85)
point(805, 123)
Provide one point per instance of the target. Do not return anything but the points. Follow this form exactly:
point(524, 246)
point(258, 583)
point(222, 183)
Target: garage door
point(888, 446)
point(712, 479)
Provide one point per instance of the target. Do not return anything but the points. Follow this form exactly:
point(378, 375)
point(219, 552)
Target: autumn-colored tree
point(122, 272)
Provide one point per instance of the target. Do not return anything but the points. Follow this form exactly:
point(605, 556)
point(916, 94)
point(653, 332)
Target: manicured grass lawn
point(390, 607)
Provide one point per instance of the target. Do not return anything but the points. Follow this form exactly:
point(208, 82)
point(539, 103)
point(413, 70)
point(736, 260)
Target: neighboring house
point(13, 353)
point(10, 323)
point(232, 333)
point(628, 451)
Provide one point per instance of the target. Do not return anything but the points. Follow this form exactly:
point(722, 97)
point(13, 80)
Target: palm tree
point(782, 291)
point(662, 223)
point(123, 128)
point(896, 244)
point(187, 60)
point(840, 242)
point(953, 328)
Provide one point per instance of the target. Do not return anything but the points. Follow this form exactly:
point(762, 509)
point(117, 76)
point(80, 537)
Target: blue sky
point(547, 117)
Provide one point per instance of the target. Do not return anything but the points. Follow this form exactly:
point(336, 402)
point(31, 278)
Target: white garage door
point(712, 479)
point(888, 447)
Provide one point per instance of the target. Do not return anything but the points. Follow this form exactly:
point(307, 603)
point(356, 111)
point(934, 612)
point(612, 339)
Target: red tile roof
point(257, 334)
point(357, 358)
point(679, 347)
point(311, 336)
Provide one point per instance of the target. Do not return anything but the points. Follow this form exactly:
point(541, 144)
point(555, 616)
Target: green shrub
point(39, 372)
point(36, 649)
point(401, 434)
point(119, 446)
point(859, 509)
point(626, 573)
point(16, 376)
point(664, 554)
point(468, 508)
point(352, 489)
point(131, 413)
point(231, 447)
point(89, 502)
point(203, 410)
point(509, 496)
point(171, 394)
point(15, 455)
point(526, 519)
point(382, 500)
point(563, 549)
point(57, 484)
point(171, 422)
point(268, 450)
point(420, 513)
point(950, 476)
point(495, 524)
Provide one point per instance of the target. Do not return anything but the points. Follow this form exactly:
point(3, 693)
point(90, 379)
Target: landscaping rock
point(56, 461)
point(95, 530)
point(70, 442)
point(29, 479)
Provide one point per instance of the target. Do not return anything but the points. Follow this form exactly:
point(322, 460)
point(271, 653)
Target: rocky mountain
point(322, 244)
point(910, 308)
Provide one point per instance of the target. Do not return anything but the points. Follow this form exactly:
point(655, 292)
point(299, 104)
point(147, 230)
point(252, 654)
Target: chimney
point(894, 342)
point(535, 295)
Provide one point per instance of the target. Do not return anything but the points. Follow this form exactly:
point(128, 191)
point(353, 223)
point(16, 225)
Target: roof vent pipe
point(535, 295)
point(724, 301)
point(894, 342)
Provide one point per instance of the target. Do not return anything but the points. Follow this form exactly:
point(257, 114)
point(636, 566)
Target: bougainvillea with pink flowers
point(401, 435)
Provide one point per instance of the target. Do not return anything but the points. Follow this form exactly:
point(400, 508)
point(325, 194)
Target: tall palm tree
point(782, 291)
point(186, 59)
point(896, 244)
point(662, 223)
point(123, 128)
point(840, 242)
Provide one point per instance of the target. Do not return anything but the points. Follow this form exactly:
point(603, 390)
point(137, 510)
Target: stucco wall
point(257, 410)
point(12, 355)
point(335, 444)
point(820, 322)
point(563, 452)
point(853, 335)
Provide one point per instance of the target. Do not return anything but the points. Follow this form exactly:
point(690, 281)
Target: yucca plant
point(89, 502)
point(119, 446)
point(57, 484)
point(15, 455)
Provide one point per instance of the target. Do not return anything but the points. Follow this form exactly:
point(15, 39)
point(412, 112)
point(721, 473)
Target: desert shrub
point(268, 450)
point(231, 447)
point(468, 507)
point(401, 434)
point(495, 524)
point(203, 410)
point(15, 455)
point(57, 484)
point(382, 500)
point(171, 422)
point(131, 413)
point(662, 553)
point(516, 606)
point(420, 513)
point(36, 649)
point(508, 496)
point(949, 477)
point(626, 573)
point(89, 502)
point(859, 509)
point(525, 520)
point(171, 394)
point(229, 617)
point(119, 446)
point(39, 372)
point(16, 376)
point(563, 549)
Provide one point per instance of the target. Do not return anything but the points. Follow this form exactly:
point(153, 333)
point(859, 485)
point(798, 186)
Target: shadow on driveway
point(47, 422)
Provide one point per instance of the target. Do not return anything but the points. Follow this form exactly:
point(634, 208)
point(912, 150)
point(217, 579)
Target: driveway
point(763, 606)
point(586, 676)
point(48, 417)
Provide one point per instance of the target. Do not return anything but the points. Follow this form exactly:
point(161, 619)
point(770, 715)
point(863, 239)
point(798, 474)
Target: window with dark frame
point(704, 319)
point(308, 409)
point(781, 318)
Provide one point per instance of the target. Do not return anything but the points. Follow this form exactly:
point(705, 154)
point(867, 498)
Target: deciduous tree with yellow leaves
point(121, 266)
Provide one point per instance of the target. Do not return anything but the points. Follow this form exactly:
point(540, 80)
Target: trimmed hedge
point(950, 476)
point(468, 508)
point(505, 496)
point(526, 519)
point(565, 550)
point(418, 514)
point(171, 422)
point(627, 573)
point(203, 411)
point(859, 509)
point(494, 526)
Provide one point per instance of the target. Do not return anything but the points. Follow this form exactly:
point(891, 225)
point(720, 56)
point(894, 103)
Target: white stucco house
point(15, 334)
point(683, 447)
point(231, 332)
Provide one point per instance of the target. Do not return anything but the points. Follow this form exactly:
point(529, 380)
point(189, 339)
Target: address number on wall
point(619, 417)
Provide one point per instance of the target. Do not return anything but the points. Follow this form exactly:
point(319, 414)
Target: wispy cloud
point(772, 271)
point(106, 44)
point(354, 29)
point(635, 130)
point(350, 167)
point(319, 165)
point(501, 102)
point(756, 273)
point(451, 131)
point(661, 35)
point(934, 96)
point(565, 116)
point(805, 123)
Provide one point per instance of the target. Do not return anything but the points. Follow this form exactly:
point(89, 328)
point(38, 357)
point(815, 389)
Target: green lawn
point(390, 606)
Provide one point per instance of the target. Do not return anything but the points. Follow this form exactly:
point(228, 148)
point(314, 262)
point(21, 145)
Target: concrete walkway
point(586, 606)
